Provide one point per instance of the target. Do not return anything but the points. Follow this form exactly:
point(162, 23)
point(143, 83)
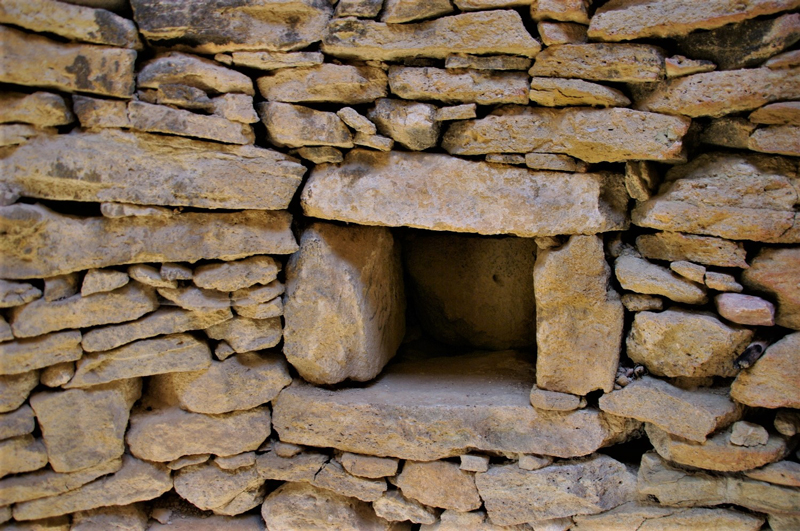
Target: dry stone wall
point(392, 264)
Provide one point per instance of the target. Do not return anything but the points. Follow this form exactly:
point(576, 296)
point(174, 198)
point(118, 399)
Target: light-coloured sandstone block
point(47, 483)
point(151, 118)
point(343, 84)
point(468, 86)
point(774, 271)
point(395, 507)
point(333, 477)
point(24, 355)
point(632, 63)
point(706, 250)
point(42, 109)
point(14, 389)
point(179, 68)
point(132, 517)
point(21, 454)
point(16, 423)
point(297, 126)
point(555, 33)
point(639, 275)
point(412, 124)
point(779, 139)
point(246, 335)
point(275, 60)
point(439, 484)
point(772, 381)
point(208, 487)
point(102, 280)
point(369, 466)
point(782, 113)
point(780, 473)
point(558, 92)
point(231, 276)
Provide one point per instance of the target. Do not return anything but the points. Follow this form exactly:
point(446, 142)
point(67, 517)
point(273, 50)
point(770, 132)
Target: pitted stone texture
point(776, 272)
point(16, 423)
point(492, 62)
point(491, 32)
point(398, 11)
point(730, 195)
point(679, 66)
point(688, 414)
point(193, 522)
point(269, 61)
point(164, 434)
point(358, 8)
point(566, 11)
point(65, 66)
point(165, 119)
point(196, 299)
point(555, 400)
point(235, 107)
point(779, 139)
point(101, 242)
point(342, 84)
point(719, 93)
point(473, 520)
point(443, 407)
point(345, 303)
point(633, 516)
point(297, 126)
point(19, 134)
point(411, 124)
point(135, 481)
point(448, 86)
point(369, 466)
point(517, 201)
point(215, 26)
point(246, 335)
point(208, 487)
point(102, 280)
point(553, 162)
point(46, 483)
point(17, 293)
point(395, 507)
point(639, 275)
point(632, 63)
point(14, 389)
point(579, 318)
point(21, 454)
point(231, 276)
point(516, 496)
point(43, 109)
point(192, 71)
point(592, 135)
point(243, 381)
point(706, 250)
point(782, 113)
point(774, 380)
point(333, 477)
point(558, 92)
point(301, 467)
point(439, 484)
point(57, 375)
point(83, 428)
point(96, 113)
point(132, 517)
point(472, 290)
point(25, 355)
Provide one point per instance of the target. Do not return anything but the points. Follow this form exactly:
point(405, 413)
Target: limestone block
point(556, 401)
point(215, 26)
point(780, 473)
point(196, 299)
point(356, 121)
point(563, 10)
point(165, 354)
point(722, 282)
point(343, 84)
point(491, 62)
point(781, 113)
point(474, 463)
point(231, 276)
point(58, 374)
point(14, 389)
point(397, 11)
point(17, 134)
point(170, 271)
point(368, 466)
point(240, 382)
point(772, 381)
point(553, 162)
point(621, 20)
point(555, 33)
point(208, 487)
point(395, 507)
point(47, 483)
point(163, 321)
point(706, 250)
point(478, 86)
point(533, 462)
point(783, 60)
point(246, 335)
point(17, 293)
point(381, 143)
point(485, 33)
point(515, 496)
point(679, 66)
point(164, 119)
point(257, 294)
point(592, 135)
point(733, 132)
point(517, 201)
point(456, 112)
point(33, 60)
point(303, 466)
point(275, 60)
point(124, 210)
point(100, 113)
point(235, 462)
point(192, 71)
point(296, 126)
point(358, 8)
point(729, 195)
point(412, 124)
point(719, 93)
point(633, 63)
point(691, 414)
point(745, 433)
point(333, 477)
point(677, 342)
point(439, 484)
point(21, 454)
point(126, 167)
point(780, 139)
point(774, 271)
point(135, 481)
point(16, 423)
point(579, 318)
point(689, 270)
point(102, 280)
point(5, 330)
point(443, 407)
point(132, 517)
point(164, 434)
point(24, 355)
point(42, 109)
point(103, 242)
point(639, 275)
point(558, 92)
point(632, 517)
point(235, 107)
point(82, 428)
point(193, 522)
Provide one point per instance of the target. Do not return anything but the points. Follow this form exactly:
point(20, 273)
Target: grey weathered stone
point(491, 32)
point(358, 8)
point(345, 311)
point(102, 242)
point(178, 95)
point(102, 280)
point(404, 413)
point(592, 135)
point(207, 487)
point(171, 271)
point(124, 210)
point(24, 355)
point(16, 423)
point(633, 63)
point(634, 516)
point(257, 294)
point(5, 330)
point(58, 374)
point(343, 84)
point(216, 26)
point(507, 158)
point(774, 272)
point(283, 449)
point(555, 400)
point(18, 134)
point(180, 68)
point(474, 463)
point(395, 507)
point(188, 460)
point(518, 201)
point(722, 282)
point(83, 428)
point(42, 109)
point(397, 11)
point(732, 132)
point(21, 454)
point(555, 33)
point(412, 124)
point(333, 477)
point(515, 496)
point(150, 276)
point(491, 62)
point(320, 154)
point(132, 517)
point(97, 113)
point(235, 107)
point(34, 60)
point(369, 466)
point(558, 92)
point(17, 293)
point(275, 60)
point(772, 381)
point(702, 249)
point(639, 275)
point(381, 143)
point(439, 484)
point(745, 433)
point(689, 270)
point(296, 126)
point(356, 121)
point(231, 276)
point(151, 118)
point(196, 299)
point(456, 112)
point(14, 389)
point(246, 335)
point(468, 86)
point(302, 466)
point(780, 473)
point(235, 462)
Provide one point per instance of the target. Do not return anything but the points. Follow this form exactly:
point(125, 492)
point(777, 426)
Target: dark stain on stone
point(81, 69)
point(111, 31)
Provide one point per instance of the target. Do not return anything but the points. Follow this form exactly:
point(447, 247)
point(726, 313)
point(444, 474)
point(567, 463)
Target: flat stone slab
point(190, 70)
point(165, 119)
point(592, 135)
point(396, 189)
point(25, 355)
point(42, 109)
point(558, 92)
point(490, 32)
point(342, 84)
point(440, 408)
point(14, 389)
point(469, 86)
point(103, 242)
point(632, 63)
point(708, 250)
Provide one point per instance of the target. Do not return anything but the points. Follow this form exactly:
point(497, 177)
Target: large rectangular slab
point(139, 168)
point(442, 407)
point(438, 192)
point(36, 242)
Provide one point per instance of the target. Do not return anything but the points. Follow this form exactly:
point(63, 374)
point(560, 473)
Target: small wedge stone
point(492, 62)
point(21, 454)
point(275, 60)
point(722, 282)
point(439, 484)
point(690, 270)
point(706, 250)
point(782, 113)
point(552, 162)
point(774, 272)
point(14, 389)
point(558, 92)
point(398, 11)
point(412, 124)
point(16, 423)
point(395, 507)
point(61, 287)
point(17, 293)
point(679, 66)
point(780, 473)
point(555, 33)
point(456, 112)
point(562, 10)
point(196, 299)
point(246, 335)
point(368, 466)
point(163, 119)
point(102, 280)
point(231, 276)
point(57, 375)
point(42, 109)
point(333, 477)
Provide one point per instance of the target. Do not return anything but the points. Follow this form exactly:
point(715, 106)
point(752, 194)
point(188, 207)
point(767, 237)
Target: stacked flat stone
point(372, 264)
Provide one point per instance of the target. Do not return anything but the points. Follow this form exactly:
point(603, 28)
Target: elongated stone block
point(183, 69)
point(485, 88)
point(443, 407)
point(43, 109)
point(592, 135)
point(632, 63)
point(101, 242)
point(165, 119)
point(325, 82)
point(674, 246)
point(38, 352)
point(398, 189)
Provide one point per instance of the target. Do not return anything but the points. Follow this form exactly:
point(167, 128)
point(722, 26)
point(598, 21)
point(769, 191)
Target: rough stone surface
point(208, 487)
point(397, 11)
point(677, 342)
point(439, 484)
point(164, 119)
point(579, 318)
point(553, 162)
point(102, 280)
point(343, 84)
point(302, 466)
point(82, 428)
point(58, 374)
point(522, 202)
point(345, 307)
point(150, 276)
point(516, 496)
point(691, 414)
point(782, 113)
point(395, 507)
point(196, 299)
point(748, 434)
point(192, 71)
point(234, 462)
point(555, 33)
point(246, 335)
point(439, 408)
point(639, 275)
point(16, 423)
point(690, 247)
point(369, 466)
point(557, 92)
point(690, 270)
point(779, 139)
point(356, 121)
point(358, 8)
point(641, 179)
point(632, 517)
point(780, 473)
point(333, 477)
point(556, 401)
point(745, 309)
point(772, 381)
point(296, 126)
point(230, 276)
point(566, 11)
point(60, 287)
point(409, 123)
point(471, 290)
point(42, 109)
point(168, 433)
point(69, 67)
point(467, 86)
point(46, 483)
point(456, 112)
point(492, 32)
point(776, 273)
point(132, 517)
point(633, 63)
point(21, 454)
point(17, 293)
point(14, 389)
point(24, 355)
point(679, 66)
point(492, 62)
point(16, 134)
point(102, 242)
point(722, 282)
point(732, 132)
point(274, 60)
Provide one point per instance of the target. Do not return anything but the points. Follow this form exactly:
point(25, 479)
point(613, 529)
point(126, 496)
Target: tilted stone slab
point(46, 483)
point(559, 92)
point(25, 355)
point(774, 379)
point(439, 484)
point(442, 407)
point(592, 135)
point(124, 167)
point(102, 242)
point(478, 86)
point(135, 481)
point(184, 69)
point(217, 26)
point(776, 272)
point(640, 276)
point(632, 63)
point(43, 109)
point(37, 61)
point(731, 195)
point(343, 84)
point(621, 20)
point(433, 191)
point(490, 32)
point(333, 477)
point(676, 246)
